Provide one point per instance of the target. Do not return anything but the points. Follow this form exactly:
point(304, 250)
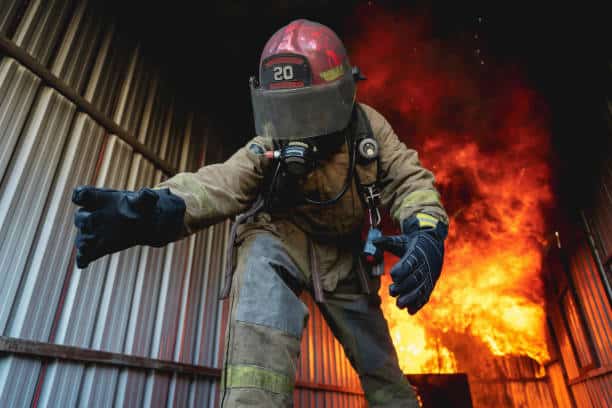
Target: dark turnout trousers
point(266, 324)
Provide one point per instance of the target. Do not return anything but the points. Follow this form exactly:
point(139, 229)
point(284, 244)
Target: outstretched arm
point(219, 191)
point(112, 220)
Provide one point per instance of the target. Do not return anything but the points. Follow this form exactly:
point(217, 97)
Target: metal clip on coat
point(372, 255)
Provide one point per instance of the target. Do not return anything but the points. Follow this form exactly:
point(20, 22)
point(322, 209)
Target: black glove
point(112, 220)
point(421, 251)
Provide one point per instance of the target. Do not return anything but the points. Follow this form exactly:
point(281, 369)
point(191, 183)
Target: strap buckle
point(371, 196)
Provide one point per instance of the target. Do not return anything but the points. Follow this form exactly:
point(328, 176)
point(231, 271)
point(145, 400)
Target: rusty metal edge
point(48, 351)
point(30, 348)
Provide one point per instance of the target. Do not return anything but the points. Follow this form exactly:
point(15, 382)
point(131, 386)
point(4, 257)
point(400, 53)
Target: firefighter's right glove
point(421, 251)
point(113, 220)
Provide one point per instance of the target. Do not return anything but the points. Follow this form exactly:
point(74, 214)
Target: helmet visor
point(301, 113)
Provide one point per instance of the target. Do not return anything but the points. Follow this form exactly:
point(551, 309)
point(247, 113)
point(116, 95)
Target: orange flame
point(483, 133)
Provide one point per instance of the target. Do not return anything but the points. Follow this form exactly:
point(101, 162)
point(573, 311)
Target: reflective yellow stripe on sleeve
point(426, 220)
point(419, 197)
point(248, 376)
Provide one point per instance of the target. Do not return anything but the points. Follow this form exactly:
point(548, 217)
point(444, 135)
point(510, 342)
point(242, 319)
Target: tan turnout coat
point(218, 191)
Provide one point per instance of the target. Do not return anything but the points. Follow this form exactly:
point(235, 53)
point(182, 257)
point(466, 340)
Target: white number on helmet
point(283, 73)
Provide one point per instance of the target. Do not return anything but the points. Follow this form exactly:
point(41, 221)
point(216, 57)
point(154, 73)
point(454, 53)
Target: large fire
point(483, 133)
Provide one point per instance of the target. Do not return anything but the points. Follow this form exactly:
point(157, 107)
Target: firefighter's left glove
point(113, 220)
point(421, 251)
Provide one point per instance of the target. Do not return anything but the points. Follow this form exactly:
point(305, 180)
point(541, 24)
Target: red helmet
point(306, 86)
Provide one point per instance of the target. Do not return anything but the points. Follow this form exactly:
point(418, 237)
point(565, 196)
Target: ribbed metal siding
point(158, 303)
point(591, 293)
point(592, 390)
point(565, 346)
point(596, 392)
point(602, 213)
point(558, 385)
point(9, 10)
point(74, 58)
point(322, 361)
point(41, 27)
point(25, 187)
point(576, 328)
point(18, 88)
point(509, 381)
point(581, 319)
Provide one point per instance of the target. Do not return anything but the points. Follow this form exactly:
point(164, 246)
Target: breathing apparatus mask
point(295, 159)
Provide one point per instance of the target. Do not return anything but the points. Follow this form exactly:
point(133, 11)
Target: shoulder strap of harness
point(367, 172)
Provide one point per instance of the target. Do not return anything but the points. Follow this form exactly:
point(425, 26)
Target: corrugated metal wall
point(509, 381)
point(580, 310)
point(158, 303)
point(155, 303)
point(322, 361)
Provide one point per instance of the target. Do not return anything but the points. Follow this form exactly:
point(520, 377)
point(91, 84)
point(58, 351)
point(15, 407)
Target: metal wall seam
point(121, 114)
point(164, 337)
point(558, 386)
point(598, 312)
point(18, 87)
point(109, 72)
point(115, 304)
point(41, 26)
point(199, 388)
point(165, 131)
point(8, 14)
point(182, 162)
point(74, 58)
point(193, 342)
point(203, 343)
point(145, 129)
point(50, 256)
point(159, 109)
point(204, 340)
point(565, 347)
point(131, 385)
point(176, 137)
point(183, 347)
point(198, 143)
point(27, 182)
point(190, 299)
point(602, 215)
point(137, 93)
point(77, 318)
point(574, 321)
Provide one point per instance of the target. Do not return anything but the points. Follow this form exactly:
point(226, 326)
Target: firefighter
point(321, 164)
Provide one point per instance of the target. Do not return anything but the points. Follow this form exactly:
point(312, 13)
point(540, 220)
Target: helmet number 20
point(283, 73)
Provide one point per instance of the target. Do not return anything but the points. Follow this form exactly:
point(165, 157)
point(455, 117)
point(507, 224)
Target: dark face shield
point(301, 113)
